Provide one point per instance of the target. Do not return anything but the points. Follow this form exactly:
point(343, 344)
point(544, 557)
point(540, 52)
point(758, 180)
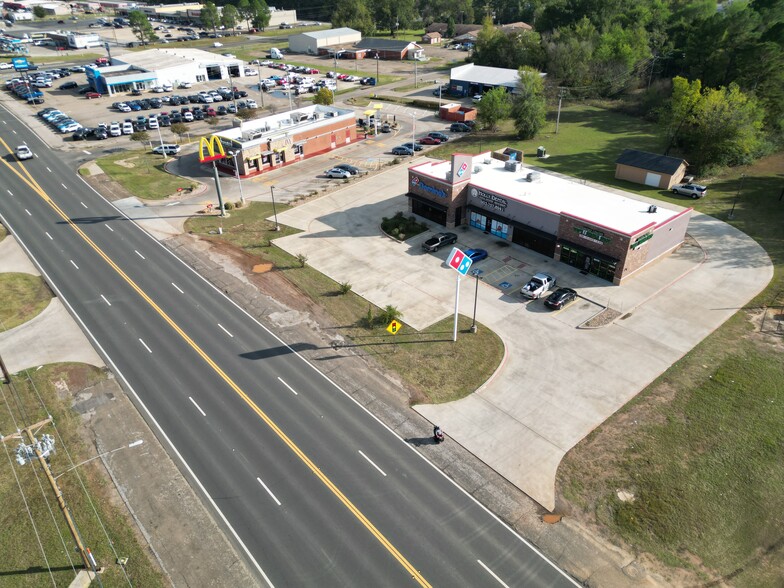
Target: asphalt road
point(314, 489)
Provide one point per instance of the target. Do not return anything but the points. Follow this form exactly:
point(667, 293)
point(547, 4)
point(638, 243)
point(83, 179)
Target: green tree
point(354, 14)
point(391, 15)
point(209, 17)
point(229, 17)
point(324, 96)
point(179, 129)
point(140, 136)
point(494, 107)
point(38, 11)
point(529, 107)
point(261, 14)
point(245, 11)
point(450, 27)
point(141, 27)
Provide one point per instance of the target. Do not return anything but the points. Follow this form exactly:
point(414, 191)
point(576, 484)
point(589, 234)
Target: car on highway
point(23, 152)
point(429, 141)
point(401, 150)
point(438, 240)
point(689, 189)
point(166, 149)
point(476, 254)
point(337, 173)
point(560, 298)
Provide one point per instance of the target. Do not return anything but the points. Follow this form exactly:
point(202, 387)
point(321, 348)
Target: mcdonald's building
point(282, 139)
point(611, 234)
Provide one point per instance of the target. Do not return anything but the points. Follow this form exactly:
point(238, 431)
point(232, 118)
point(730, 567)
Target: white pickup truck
point(537, 286)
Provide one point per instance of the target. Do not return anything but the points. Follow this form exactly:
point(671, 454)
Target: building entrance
point(587, 261)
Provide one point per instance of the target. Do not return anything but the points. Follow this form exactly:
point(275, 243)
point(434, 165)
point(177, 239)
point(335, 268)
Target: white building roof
point(339, 32)
point(481, 74)
point(155, 59)
point(618, 211)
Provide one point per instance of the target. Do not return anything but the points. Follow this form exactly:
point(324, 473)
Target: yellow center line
point(233, 385)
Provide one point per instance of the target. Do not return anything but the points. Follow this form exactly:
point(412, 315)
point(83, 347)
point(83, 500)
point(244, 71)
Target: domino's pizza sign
point(459, 261)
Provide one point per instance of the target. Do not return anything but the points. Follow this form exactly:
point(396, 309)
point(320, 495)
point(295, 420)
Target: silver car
point(693, 190)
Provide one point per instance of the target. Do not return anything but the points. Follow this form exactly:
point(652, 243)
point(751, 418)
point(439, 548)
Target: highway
point(312, 488)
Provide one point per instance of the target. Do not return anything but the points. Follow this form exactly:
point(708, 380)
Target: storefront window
point(299, 149)
point(499, 229)
point(478, 220)
point(200, 79)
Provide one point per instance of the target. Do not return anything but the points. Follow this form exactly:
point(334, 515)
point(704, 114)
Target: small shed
point(433, 38)
point(650, 169)
point(454, 112)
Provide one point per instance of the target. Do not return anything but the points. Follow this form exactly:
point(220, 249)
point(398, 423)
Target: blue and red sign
point(459, 261)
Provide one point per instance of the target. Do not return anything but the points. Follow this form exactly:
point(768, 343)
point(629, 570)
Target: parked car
point(166, 149)
point(68, 86)
point(413, 146)
point(560, 298)
point(23, 152)
point(689, 189)
point(127, 128)
point(440, 136)
point(476, 254)
point(458, 127)
point(337, 173)
point(429, 141)
point(438, 240)
point(476, 98)
point(400, 150)
point(349, 168)
point(92, 95)
point(115, 130)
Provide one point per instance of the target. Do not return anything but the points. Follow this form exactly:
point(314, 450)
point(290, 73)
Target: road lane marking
point(83, 204)
point(139, 254)
point(287, 386)
point(204, 414)
point(48, 235)
point(370, 461)
point(87, 152)
point(108, 227)
point(47, 169)
point(63, 185)
point(225, 331)
point(74, 263)
point(268, 491)
point(28, 212)
point(173, 203)
point(178, 288)
point(294, 448)
point(105, 300)
point(9, 192)
point(489, 571)
point(145, 345)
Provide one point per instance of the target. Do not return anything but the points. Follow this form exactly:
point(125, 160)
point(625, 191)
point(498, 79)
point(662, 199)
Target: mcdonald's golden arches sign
point(210, 149)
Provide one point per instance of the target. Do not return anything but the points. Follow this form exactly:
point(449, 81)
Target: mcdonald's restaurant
point(281, 139)
point(611, 234)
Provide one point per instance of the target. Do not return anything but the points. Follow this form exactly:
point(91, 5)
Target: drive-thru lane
point(314, 487)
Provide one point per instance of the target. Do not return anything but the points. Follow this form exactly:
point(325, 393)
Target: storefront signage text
point(592, 235)
point(417, 183)
point(640, 240)
point(489, 200)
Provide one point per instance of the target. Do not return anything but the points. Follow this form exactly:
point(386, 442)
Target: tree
point(209, 17)
point(324, 96)
point(38, 11)
point(141, 27)
point(493, 108)
point(179, 129)
point(140, 136)
point(229, 17)
point(393, 14)
point(245, 11)
point(529, 107)
point(261, 14)
point(450, 27)
point(354, 14)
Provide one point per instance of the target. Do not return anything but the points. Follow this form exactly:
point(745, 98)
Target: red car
point(210, 112)
point(91, 95)
point(429, 141)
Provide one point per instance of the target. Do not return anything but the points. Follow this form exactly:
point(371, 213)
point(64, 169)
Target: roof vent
point(652, 208)
point(477, 169)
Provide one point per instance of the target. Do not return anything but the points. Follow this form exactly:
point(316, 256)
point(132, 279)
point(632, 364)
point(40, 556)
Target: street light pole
point(377, 60)
point(476, 297)
point(237, 174)
point(216, 177)
point(274, 212)
point(261, 90)
point(413, 133)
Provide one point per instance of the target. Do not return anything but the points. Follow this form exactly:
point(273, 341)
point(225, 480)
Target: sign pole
point(457, 301)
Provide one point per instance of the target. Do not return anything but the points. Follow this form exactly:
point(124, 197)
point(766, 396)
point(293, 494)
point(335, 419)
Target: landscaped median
point(142, 174)
point(436, 368)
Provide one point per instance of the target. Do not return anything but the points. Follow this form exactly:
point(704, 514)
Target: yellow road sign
point(394, 327)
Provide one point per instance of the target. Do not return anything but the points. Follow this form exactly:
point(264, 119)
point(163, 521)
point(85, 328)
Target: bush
point(401, 227)
point(238, 204)
point(344, 287)
point(389, 314)
point(302, 259)
point(228, 205)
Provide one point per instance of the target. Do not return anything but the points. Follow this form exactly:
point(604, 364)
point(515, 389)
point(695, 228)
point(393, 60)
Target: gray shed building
point(310, 43)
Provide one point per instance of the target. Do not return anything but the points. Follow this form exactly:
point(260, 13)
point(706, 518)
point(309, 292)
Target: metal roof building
point(311, 42)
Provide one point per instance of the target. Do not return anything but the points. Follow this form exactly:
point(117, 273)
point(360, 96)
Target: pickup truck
point(435, 242)
point(537, 285)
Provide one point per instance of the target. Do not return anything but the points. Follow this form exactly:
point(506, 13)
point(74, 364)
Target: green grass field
point(141, 173)
point(22, 297)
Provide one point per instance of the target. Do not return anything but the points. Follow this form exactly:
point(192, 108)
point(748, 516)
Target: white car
point(476, 99)
point(185, 85)
point(187, 116)
point(152, 123)
point(217, 44)
point(42, 84)
point(127, 128)
point(123, 107)
point(23, 152)
point(157, 89)
point(167, 88)
point(251, 72)
point(251, 104)
point(229, 55)
point(114, 130)
point(336, 172)
point(6, 65)
point(166, 149)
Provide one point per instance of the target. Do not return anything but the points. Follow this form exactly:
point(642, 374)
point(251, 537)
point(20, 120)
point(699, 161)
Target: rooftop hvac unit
point(533, 177)
point(487, 161)
point(652, 208)
point(477, 169)
point(512, 165)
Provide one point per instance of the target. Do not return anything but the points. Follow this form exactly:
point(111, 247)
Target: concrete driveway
point(558, 381)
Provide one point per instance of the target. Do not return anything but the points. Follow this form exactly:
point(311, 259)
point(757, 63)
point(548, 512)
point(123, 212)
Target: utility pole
point(42, 450)
point(561, 94)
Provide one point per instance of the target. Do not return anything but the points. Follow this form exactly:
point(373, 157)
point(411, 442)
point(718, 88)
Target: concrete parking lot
point(558, 380)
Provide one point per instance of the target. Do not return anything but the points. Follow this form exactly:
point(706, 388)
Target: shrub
point(344, 287)
point(369, 318)
point(228, 205)
point(388, 314)
point(302, 259)
point(238, 204)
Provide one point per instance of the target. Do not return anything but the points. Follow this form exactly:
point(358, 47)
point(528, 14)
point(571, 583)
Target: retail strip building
point(613, 235)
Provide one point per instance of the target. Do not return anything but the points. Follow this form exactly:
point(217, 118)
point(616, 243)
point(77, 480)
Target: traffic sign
point(459, 261)
point(394, 327)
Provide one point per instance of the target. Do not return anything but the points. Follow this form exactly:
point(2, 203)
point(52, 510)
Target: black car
point(164, 121)
point(145, 104)
point(68, 86)
point(194, 98)
point(560, 298)
point(440, 136)
point(458, 127)
point(221, 110)
point(154, 102)
point(136, 92)
point(198, 114)
point(349, 168)
point(437, 241)
point(101, 134)
point(175, 117)
point(81, 134)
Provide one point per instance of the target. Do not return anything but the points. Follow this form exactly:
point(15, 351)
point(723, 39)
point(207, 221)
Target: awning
point(266, 153)
point(427, 201)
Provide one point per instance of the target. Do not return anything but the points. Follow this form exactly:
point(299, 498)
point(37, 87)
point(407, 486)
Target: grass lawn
point(428, 360)
point(702, 448)
point(23, 490)
point(142, 174)
point(22, 297)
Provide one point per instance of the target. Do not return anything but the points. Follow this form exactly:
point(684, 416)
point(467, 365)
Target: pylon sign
point(211, 149)
point(459, 261)
point(394, 327)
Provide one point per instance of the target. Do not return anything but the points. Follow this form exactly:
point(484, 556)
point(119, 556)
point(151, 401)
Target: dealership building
point(612, 235)
point(269, 143)
point(154, 67)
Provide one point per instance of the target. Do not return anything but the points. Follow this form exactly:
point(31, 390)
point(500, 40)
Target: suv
point(689, 189)
point(437, 241)
point(458, 127)
point(440, 136)
point(166, 149)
